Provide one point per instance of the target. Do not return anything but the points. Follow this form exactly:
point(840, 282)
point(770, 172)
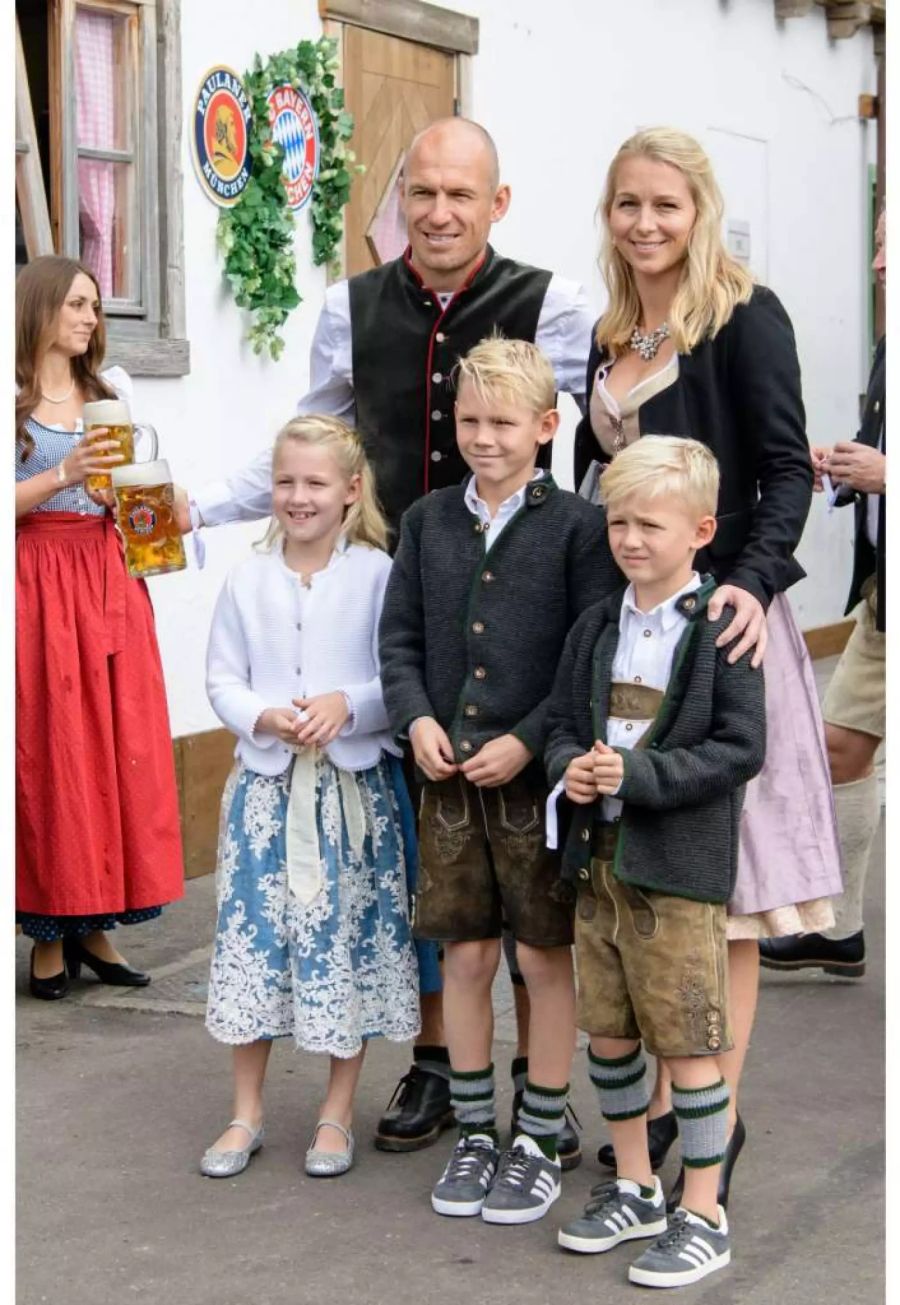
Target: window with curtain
point(96, 161)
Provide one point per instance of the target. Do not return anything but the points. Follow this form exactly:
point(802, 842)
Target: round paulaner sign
point(220, 135)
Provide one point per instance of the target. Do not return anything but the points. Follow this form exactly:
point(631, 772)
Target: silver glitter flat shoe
point(328, 1164)
point(226, 1164)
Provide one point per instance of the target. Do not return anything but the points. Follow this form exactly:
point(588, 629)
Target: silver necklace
point(63, 398)
point(648, 345)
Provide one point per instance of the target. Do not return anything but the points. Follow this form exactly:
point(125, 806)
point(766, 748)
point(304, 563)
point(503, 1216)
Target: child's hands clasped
point(581, 787)
point(326, 715)
point(432, 749)
point(609, 768)
point(280, 721)
point(599, 771)
point(499, 761)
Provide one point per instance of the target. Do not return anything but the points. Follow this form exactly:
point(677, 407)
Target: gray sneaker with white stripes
point(685, 1253)
point(616, 1213)
point(467, 1176)
point(526, 1185)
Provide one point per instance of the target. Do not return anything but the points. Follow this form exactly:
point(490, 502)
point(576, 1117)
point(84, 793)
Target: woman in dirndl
point(689, 345)
point(98, 839)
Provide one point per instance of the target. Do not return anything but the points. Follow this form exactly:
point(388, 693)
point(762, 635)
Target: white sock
point(858, 811)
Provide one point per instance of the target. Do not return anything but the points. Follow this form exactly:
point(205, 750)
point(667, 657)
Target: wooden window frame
point(147, 338)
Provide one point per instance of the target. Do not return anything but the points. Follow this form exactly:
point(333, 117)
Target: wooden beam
point(30, 191)
point(828, 640)
point(412, 20)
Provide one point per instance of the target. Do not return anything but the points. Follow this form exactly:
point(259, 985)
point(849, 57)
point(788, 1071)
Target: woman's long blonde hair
point(712, 282)
point(363, 520)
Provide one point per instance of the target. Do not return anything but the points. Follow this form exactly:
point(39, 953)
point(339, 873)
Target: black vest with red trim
point(405, 347)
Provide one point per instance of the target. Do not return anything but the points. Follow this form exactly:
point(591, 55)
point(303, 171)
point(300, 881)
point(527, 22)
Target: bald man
point(382, 359)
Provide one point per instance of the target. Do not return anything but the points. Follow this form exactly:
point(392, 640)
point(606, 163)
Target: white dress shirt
point(644, 655)
point(563, 332)
point(493, 525)
point(273, 640)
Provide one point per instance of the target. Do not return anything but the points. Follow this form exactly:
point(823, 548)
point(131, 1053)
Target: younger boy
point(653, 734)
point(487, 581)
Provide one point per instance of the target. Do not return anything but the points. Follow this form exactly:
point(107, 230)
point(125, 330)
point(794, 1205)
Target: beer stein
point(114, 415)
point(145, 513)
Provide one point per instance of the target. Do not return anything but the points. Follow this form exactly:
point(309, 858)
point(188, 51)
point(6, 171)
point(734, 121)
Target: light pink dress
point(789, 862)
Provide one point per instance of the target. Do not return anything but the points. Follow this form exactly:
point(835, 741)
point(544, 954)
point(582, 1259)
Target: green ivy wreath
point(256, 235)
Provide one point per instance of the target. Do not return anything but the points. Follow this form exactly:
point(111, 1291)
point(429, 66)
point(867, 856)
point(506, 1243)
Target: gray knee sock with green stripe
point(621, 1084)
point(542, 1115)
point(702, 1115)
point(472, 1098)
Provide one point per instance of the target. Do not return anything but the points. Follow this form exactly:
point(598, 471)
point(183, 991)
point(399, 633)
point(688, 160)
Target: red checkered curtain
point(95, 125)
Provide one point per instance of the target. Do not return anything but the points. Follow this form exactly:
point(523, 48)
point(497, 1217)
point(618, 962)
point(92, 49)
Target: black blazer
point(869, 561)
point(738, 393)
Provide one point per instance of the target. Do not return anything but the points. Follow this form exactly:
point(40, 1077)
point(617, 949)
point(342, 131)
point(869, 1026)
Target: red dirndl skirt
point(97, 825)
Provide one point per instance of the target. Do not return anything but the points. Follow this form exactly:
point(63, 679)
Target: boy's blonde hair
point(514, 370)
point(363, 520)
point(663, 464)
point(712, 282)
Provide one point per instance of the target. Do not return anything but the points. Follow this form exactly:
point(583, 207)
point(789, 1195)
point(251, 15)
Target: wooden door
point(393, 88)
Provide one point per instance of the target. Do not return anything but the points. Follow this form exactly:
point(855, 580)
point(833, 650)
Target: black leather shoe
point(568, 1144)
point(661, 1133)
point(810, 951)
point(51, 989)
point(112, 972)
point(732, 1151)
point(421, 1114)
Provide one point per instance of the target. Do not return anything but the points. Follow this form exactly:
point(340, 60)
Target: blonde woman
point(690, 346)
point(313, 936)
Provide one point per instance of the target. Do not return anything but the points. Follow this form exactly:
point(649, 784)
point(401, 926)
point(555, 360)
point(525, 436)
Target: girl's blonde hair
point(712, 282)
point(363, 520)
point(515, 370)
point(657, 465)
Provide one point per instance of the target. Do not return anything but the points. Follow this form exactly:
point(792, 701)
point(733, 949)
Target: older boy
point(653, 734)
point(488, 579)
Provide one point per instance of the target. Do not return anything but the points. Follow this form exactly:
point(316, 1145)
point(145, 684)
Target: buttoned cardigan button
point(487, 577)
point(480, 673)
point(465, 746)
point(538, 491)
point(470, 709)
point(584, 873)
point(585, 835)
point(478, 627)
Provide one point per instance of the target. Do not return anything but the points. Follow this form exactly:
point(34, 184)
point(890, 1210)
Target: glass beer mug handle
point(144, 431)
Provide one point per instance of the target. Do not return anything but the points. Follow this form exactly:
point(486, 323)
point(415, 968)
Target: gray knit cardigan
point(473, 638)
point(683, 788)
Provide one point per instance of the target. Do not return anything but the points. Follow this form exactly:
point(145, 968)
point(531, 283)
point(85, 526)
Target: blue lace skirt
point(336, 971)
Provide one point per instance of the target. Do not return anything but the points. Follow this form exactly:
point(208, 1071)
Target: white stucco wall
point(560, 86)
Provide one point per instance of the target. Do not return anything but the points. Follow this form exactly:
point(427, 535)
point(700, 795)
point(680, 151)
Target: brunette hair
point(712, 282)
point(363, 520)
point(41, 289)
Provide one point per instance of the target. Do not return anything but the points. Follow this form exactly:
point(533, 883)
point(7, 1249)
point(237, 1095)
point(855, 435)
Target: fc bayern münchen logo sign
point(220, 135)
point(295, 129)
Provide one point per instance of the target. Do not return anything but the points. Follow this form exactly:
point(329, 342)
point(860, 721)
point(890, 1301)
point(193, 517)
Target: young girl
point(313, 935)
point(98, 840)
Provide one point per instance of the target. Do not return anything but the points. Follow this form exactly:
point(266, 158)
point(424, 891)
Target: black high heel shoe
point(732, 1151)
point(661, 1133)
point(112, 972)
point(50, 989)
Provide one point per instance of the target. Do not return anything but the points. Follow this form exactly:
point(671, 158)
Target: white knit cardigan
point(262, 654)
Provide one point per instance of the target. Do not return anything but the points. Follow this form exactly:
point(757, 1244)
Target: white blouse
point(273, 640)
